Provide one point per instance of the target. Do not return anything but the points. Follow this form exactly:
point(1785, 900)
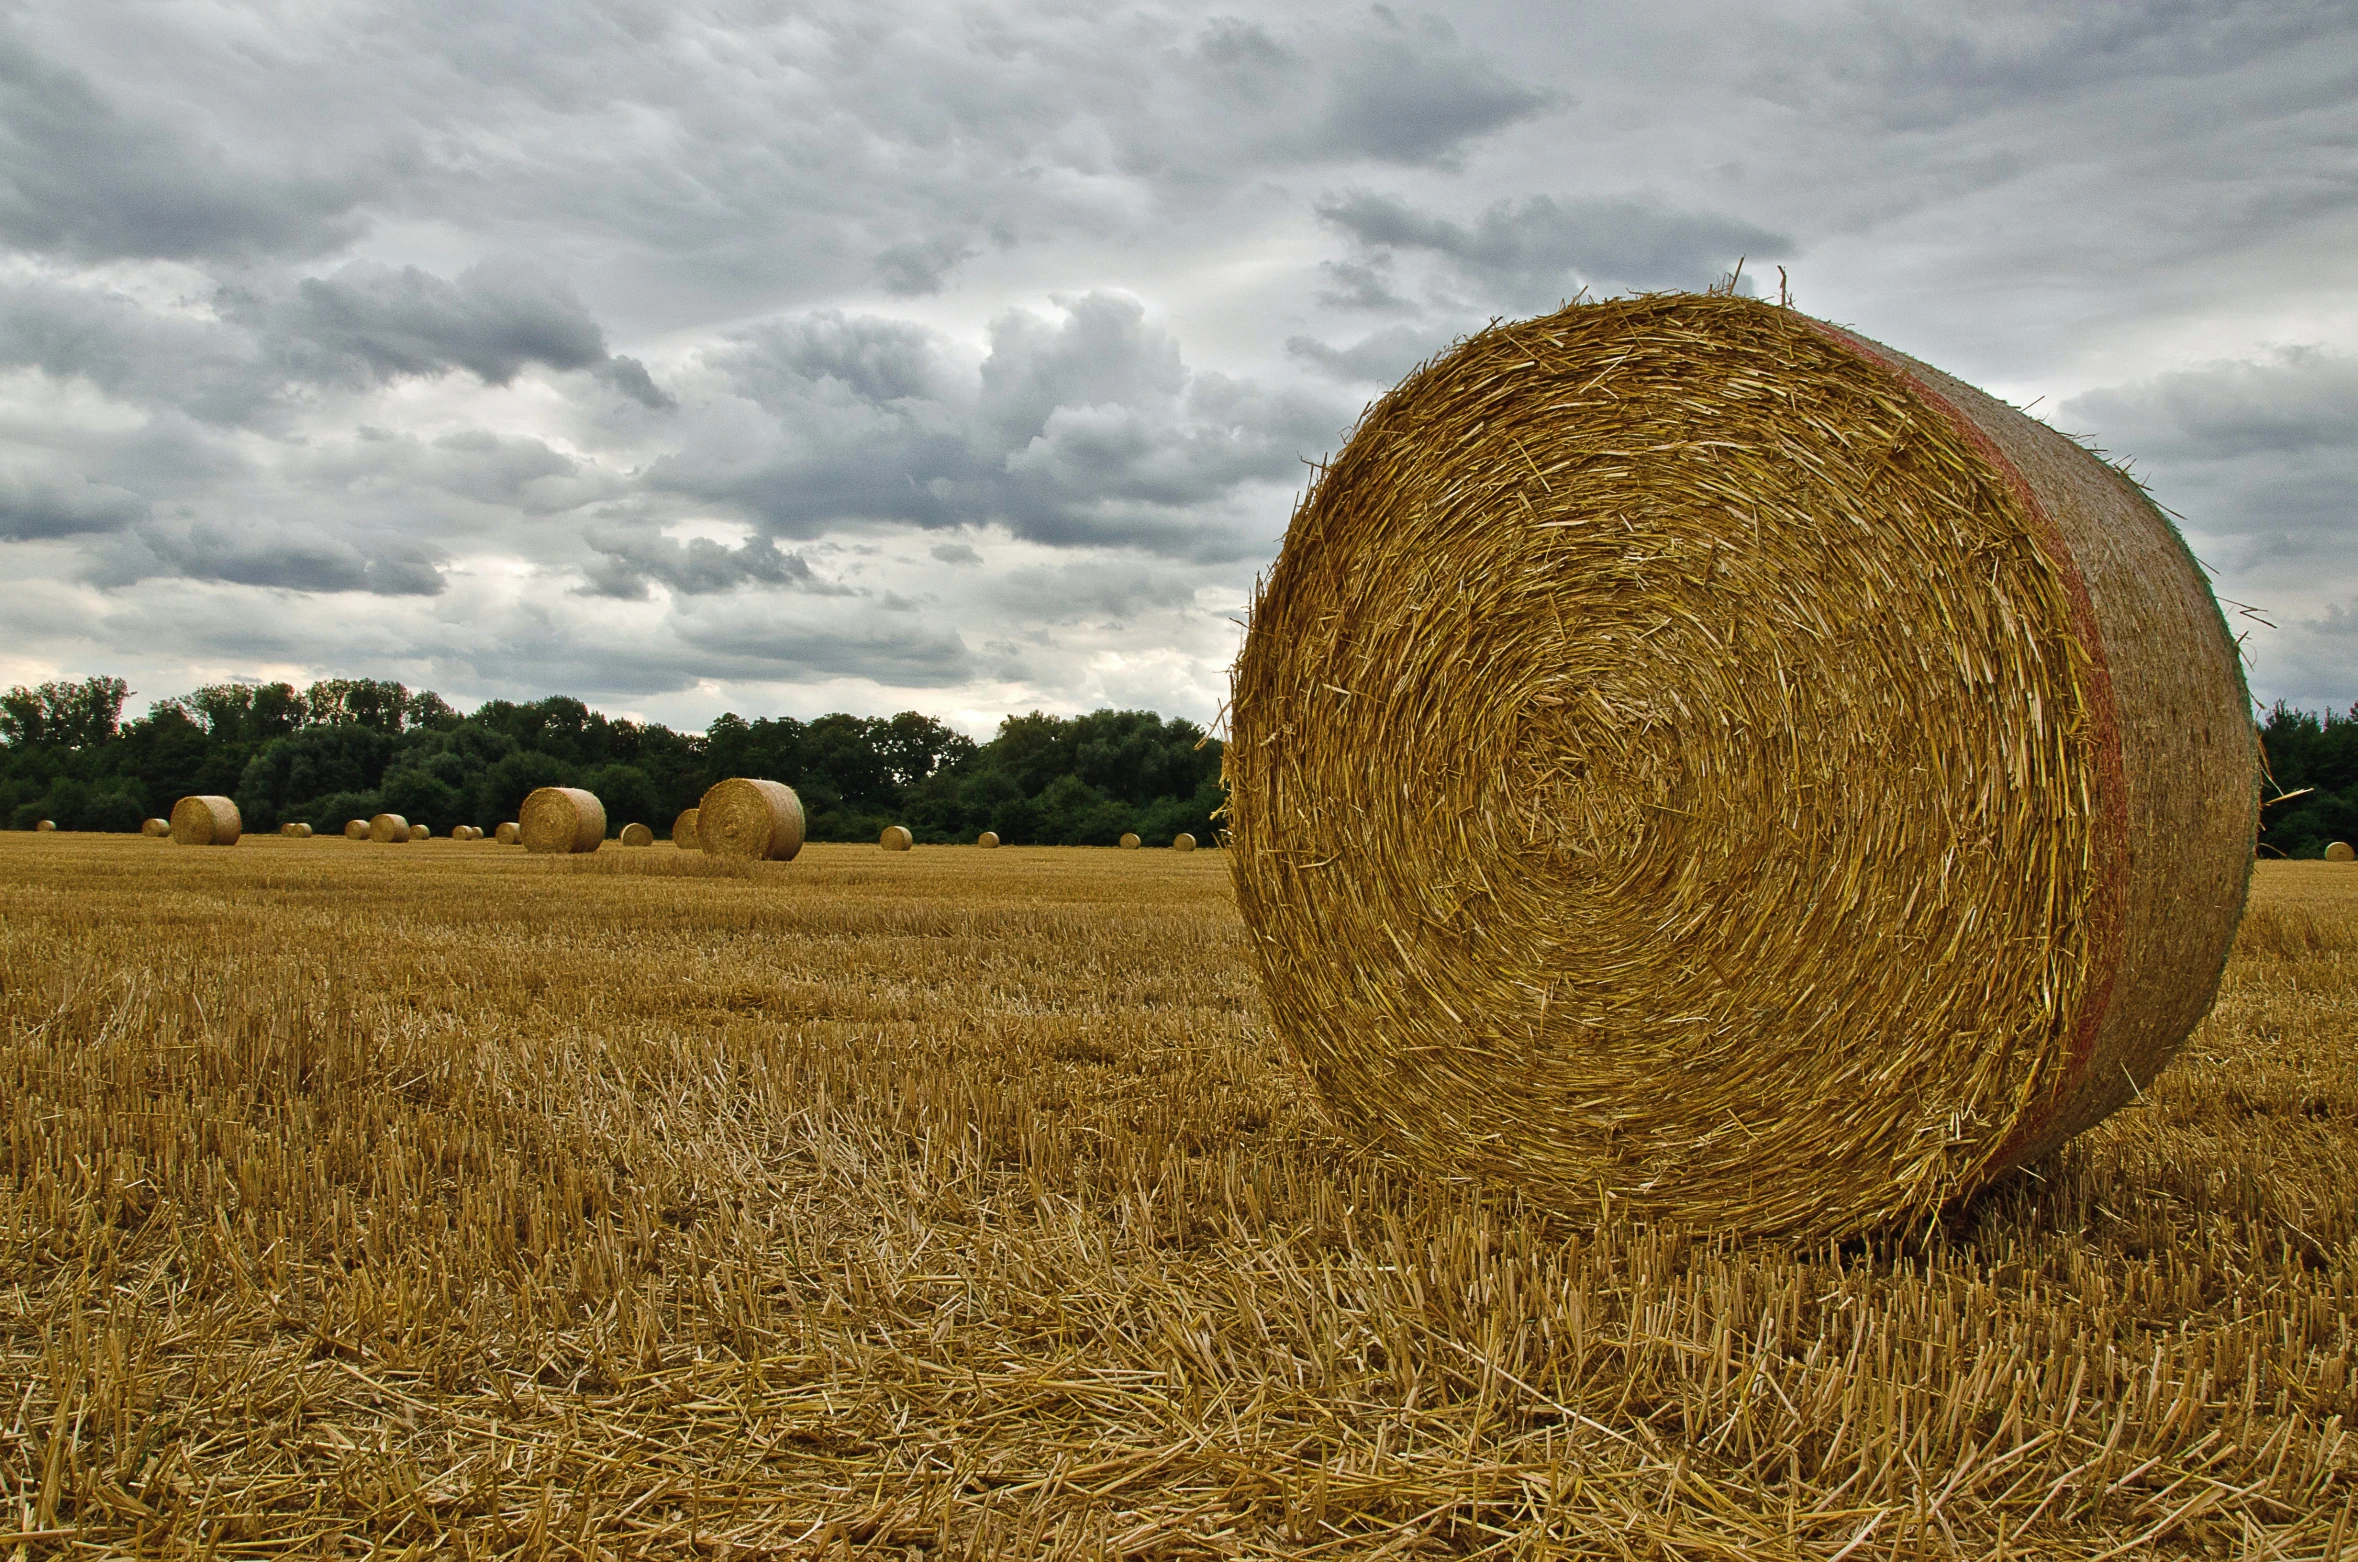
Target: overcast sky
point(966, 358)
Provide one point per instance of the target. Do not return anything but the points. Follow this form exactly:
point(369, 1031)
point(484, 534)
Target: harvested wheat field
point(959, 1204)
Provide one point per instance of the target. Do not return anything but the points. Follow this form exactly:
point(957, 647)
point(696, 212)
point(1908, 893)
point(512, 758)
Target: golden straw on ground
point(1691, 759)
point(206, 821)
point(561, 820)
point(750, 820)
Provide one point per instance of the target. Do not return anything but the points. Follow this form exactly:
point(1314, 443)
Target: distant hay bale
point(388, 829)
point(1182, 843)
point(2339, 851)
point(1691, 760)
point(356, 829)
point(293, 830)
point(465, 832)
point(507, 834)
point(896, 838)
point(562, 820)
point(987, 838)
point(749, 820)
point(1129, 841)
point(419, 832)
point(637, 835)
point(206, 821)
point(683, 831)
point(45, 827)
point(156, 827)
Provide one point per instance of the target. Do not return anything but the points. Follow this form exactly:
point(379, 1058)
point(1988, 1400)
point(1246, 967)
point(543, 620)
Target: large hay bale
point(156, 828)
point(356, 829)
point(561, 820)
point(637, 835)
point(1183, 842)
point(1129, 841)
point(750, 820)
point(1691, 759)
point(683, 830)
point(2339, 851)
point(987, 839)
point(896, 838)
point(388, 829)
point(206, 821)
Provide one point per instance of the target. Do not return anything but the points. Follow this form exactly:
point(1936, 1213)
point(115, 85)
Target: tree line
point(2313, 766)
point(348, 748)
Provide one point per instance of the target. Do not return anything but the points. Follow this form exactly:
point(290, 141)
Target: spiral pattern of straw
point(683, 830)
point(636, 835)
point(205, 821)
point(2339, 851)
point(1687, 757)
point(561, 820)
point(750, 820)
point(896, 838)
point(987, 839)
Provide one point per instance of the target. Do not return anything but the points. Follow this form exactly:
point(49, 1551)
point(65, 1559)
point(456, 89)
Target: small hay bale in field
point(45, 827)
point(388, 829)
point(293, 830)
point(2339, 851)
point(987, 839)
point(465, 832)
point(896, 838)
point(562, 820)
point(206, 821)
point(507, 834)
point(156, 827)
point(749, 820)
point(1129, 841)
point(419, 832)
point(683, 830)
point(637, 835)
point(1690, 759)
point(1183, 842)
point(356, 829)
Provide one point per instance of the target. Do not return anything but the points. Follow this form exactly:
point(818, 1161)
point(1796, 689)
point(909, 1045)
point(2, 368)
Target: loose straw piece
point(1690, 758)
point(561, 820)
point(749, 820)
point(205, 821)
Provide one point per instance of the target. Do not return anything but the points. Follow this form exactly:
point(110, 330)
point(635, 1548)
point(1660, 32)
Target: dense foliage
point(347, 748)
point(2316, 757)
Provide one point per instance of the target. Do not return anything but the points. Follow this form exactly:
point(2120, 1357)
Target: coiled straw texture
point(561, 820)
point(1689, 758)
point(637, 835)
point(206, 821)
point(750, 820)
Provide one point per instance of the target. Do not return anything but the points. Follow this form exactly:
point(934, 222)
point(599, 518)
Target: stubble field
point(436, 1199)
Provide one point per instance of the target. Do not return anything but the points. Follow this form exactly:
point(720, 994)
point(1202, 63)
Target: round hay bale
point(637, 835)
point(987, 839)
point(465, 832)
point(896, 838)
point(356, 829)
point(748, 819)
point(293, 830)
point(156, 827)
point(561, 820)
point(683, 830)
point(507, 834)
point(1690, 759)
point(1183, 842)
point(419, 832)
point(45, 826)
point(388, 829)
point(2339, 851)
point(1129, 841)
point(205, 821)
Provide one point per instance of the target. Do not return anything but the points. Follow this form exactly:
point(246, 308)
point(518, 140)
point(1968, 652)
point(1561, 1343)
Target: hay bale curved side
point(420, 832)
point(561, 821)
point(1183, 842)
point(356, 829)
point(635, 834)
point(206, 821)
point(507, 833)
point(683, 830)
point(388, 829)
point(896, 838)
point(987, 839)
point(750, 820)
point(156, 827)
point(1832, 788)
point(1129, 841)
point(2340, 851)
